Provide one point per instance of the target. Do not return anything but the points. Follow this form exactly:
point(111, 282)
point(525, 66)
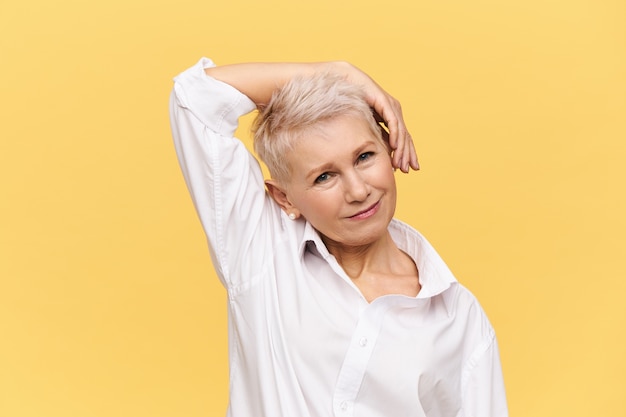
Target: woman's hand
point(389, 112)
point(259, 80)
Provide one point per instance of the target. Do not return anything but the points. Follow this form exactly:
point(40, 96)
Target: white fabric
point(303, 341)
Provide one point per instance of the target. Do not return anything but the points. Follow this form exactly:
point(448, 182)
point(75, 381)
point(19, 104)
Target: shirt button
point(363, 342)
point(343, 406)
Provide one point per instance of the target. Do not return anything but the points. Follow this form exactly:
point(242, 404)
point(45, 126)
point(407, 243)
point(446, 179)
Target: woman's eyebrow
point(330, 165)
point(358, 151)
point(319, 169)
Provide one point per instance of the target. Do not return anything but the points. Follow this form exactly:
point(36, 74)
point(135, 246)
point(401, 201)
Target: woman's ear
point(278, 193)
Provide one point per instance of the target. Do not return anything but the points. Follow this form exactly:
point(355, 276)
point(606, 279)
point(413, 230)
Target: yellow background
point(108, 303)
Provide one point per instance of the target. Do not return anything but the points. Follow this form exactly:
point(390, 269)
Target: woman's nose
point(356, 188)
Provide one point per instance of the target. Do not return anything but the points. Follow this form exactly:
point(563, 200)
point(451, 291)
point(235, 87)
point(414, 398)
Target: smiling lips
point(367, 212)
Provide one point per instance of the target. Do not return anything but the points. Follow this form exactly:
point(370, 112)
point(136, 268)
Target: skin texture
point(342, 182)
point(338, 171)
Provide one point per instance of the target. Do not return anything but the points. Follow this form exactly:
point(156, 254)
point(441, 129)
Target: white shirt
point(303, 341)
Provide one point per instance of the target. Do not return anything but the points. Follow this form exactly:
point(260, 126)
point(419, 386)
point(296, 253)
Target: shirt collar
point(312, 241)
point(435, 276)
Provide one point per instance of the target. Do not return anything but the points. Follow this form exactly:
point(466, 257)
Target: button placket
point(357, 358)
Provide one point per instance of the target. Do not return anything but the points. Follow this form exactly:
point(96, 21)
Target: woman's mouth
point(368, 212)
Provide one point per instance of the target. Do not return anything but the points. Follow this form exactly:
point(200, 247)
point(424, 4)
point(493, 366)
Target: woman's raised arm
point(258, 81)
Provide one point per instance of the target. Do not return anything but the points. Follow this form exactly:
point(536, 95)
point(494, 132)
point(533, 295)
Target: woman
point(335, 308)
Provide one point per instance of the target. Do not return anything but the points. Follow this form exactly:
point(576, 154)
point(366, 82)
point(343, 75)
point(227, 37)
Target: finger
point(395, 122)
point(382, 125)
point(403, 148)
point(414, 162)
point(392, 125)
point(386, 116)
point(407, 157)
point(401, 159)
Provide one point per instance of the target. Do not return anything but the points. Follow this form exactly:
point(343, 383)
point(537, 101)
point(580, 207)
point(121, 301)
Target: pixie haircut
point(298, 108)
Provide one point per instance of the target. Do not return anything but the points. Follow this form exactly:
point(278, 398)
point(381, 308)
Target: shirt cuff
point(216, 104)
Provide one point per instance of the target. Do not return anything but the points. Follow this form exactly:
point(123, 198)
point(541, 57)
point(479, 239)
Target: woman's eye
point(322, 178)
point(365, 155)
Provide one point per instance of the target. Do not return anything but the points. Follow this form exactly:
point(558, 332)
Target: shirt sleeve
point(484, 394)
point(225, 181)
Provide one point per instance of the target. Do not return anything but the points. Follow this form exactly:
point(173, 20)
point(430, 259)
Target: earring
point(292, 216)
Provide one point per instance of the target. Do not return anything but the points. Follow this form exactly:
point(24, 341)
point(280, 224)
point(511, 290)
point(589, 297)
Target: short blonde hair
point(297, 108)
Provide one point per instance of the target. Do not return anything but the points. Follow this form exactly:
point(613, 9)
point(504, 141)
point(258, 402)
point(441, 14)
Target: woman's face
point(342, 181)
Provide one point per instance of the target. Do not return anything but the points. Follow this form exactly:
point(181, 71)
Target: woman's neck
point(359, 260)
point(378, 268)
